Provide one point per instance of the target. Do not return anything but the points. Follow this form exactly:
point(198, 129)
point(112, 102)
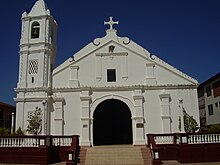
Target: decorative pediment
point(102, 52)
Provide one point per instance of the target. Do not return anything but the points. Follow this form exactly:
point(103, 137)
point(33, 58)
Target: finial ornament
point(111, 23)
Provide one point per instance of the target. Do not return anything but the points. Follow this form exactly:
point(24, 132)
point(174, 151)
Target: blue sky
point(184, 33)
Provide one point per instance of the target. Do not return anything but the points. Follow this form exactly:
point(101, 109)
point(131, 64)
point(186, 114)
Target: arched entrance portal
point(112, 123)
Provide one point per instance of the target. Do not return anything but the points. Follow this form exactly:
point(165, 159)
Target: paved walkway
point(177, 163)
point(164, 163)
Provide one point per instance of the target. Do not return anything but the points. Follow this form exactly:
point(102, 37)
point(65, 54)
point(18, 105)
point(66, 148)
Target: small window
point(32, 80)
point(111, 49)
point(35, 30)
point(30, 115)
point(111, 75)
point(210, 109)
point(208, 91)
point(200, 94)
point(216, 89)
point(216, 104)
point(51, 68)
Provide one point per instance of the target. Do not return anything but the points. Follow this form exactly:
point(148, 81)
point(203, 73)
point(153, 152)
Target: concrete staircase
point(115, 155)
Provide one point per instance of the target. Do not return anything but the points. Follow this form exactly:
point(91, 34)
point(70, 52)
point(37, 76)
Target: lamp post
point(181, 115)
point(12, 122)
point(44, 131)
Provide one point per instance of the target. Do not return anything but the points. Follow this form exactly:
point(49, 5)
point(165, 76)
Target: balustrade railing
point(180, 147)
point(185, 138)
point(62, 140)
point(34, 141)
point(203, 138)
point(19, 142)
point(166, 139)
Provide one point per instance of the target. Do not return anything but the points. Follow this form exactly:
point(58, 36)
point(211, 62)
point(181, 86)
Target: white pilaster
point(150, 78)
point(20, 114)
point(98, 67)
point(59, 116)
point(22, 82)
point(165, 112)
point(124, 66)
point(73, 81)
point(85, 118)
point(138, 119)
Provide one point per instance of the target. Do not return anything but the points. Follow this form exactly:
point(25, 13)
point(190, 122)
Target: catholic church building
point(112, 91)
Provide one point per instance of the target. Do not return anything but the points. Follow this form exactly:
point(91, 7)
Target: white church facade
point(112, 91)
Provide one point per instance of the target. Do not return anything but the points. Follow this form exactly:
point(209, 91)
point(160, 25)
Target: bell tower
point(37, 47)
point(37, 60)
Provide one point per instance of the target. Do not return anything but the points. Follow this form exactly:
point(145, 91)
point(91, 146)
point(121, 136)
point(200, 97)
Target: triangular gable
point(129, 46)
point(99, 43)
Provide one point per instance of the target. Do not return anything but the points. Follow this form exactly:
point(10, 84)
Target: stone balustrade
point(62, 140)
point(35, 141)
point(203, 138)
point(19, 142)
point(40, 149)
point(166, 139)
point(185, 147)
point(187, 138)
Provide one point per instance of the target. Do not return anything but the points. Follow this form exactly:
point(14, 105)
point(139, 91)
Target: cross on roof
point(111, 23)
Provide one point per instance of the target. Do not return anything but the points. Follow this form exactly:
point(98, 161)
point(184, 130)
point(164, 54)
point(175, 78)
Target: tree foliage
point(19, 131)
point(4, 131)
point(190, 124)
point(214, 129)
point(35, 123)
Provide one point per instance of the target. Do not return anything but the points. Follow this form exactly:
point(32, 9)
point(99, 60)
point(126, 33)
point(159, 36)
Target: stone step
point(115, 155)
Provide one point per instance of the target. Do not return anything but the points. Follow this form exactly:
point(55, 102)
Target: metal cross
point(111, 23)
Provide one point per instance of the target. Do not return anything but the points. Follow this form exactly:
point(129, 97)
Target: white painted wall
point(150, 87)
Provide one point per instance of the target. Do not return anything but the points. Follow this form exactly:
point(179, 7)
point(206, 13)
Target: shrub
point(4, 131)
point(35, 123)
point(19, 132)
point(214, 129)
point(190, 124)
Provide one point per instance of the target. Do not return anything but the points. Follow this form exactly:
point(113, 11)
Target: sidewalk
point(177, 163)
point(164, 163)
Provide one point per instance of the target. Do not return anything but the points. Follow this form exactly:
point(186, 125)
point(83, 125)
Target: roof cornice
point(125, 88)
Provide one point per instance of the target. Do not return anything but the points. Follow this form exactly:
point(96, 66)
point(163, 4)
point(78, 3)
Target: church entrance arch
point(112, 123)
